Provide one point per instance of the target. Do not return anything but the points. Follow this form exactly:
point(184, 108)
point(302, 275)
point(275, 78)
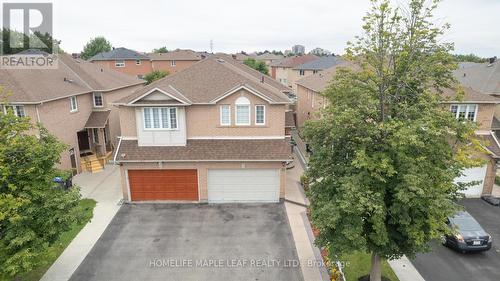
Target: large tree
point(385, 152)
point(95, 46)
point(155, 75)
point(33, 213)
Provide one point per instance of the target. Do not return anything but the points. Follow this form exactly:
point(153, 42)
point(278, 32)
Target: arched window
point(242, 111)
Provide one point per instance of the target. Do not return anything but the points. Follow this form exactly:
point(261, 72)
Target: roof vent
point(262, 79)
point(220, 60)
point(102, 70)
point(465, 74)
point(68, 80)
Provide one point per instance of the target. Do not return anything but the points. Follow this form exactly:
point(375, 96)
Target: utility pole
point(211, 46)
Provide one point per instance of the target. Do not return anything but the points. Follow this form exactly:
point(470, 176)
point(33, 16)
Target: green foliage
point(304, 181)
point(155, 75)
point(95, 46)
point(357, 264)
point(386, 152)
point(257, 65)
point(497, 180)
point(470, 58)
point(161, 50)
point(7, 34)
point(32, 212)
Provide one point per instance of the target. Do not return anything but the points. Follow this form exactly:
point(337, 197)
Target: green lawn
point(86, 206)
point(358, 264)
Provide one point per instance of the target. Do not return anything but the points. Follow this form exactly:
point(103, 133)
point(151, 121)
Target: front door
point(72, 158)
point(83, 140)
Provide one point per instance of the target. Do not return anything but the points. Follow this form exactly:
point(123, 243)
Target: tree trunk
point(376, 271)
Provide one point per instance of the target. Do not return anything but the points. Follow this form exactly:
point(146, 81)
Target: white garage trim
point(243, 185)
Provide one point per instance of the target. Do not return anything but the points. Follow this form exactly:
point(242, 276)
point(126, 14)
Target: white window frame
point(302, 72)
point(242, 102)
point(229, 115)
point(467, 107)
point(160, 119)
point(102, 99)
point(73, 104)
point(173, 63)
point(263, 112)
point(119, 63)
point(15, 109)
point(138, 62)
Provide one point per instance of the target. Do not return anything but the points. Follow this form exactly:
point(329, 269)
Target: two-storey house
point(282, 70)
point(214, 132)
point(73, 102)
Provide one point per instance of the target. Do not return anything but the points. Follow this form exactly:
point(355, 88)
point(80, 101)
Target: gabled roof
point(176, 55)
point(212, 78)
point(268, 56)
point(319, 82)
point(294, 61)
point(482, 77)
point(119, 54)
point(71, 77)
point(97, 119)
point(470, 96)
point(320, 64)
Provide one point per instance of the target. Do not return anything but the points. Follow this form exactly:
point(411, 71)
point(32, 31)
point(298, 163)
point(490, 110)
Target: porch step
point(91, 164)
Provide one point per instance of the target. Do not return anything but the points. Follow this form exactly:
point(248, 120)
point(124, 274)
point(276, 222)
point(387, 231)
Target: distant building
point(320, 52)
point(299, 49)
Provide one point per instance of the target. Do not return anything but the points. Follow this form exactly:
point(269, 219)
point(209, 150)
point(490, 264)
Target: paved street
point(445, 264)
point(179, 241)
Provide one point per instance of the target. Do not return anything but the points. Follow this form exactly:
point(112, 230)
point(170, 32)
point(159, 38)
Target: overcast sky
point(253, 25)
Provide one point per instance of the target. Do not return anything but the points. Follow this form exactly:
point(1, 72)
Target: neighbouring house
point(282, 70)
point(268, 58)
point(174, 61)
point(309, 93)
point(313, 67)
point(474, 106)
point(241, 57)
point(73, 103)
point(125, 61)
point(214, 132)
point(482, 77)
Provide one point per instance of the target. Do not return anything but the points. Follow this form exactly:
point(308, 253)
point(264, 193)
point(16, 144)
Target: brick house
point(282, 70)
point(125, 61)
point(73, 103)
point(213, 132)
point(174, 61)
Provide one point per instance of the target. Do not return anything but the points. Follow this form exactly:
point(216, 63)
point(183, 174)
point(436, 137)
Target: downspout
point(117, 149)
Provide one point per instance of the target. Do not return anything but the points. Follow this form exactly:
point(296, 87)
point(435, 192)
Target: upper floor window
point(242, 111)
point(315, 71)
point(302, 72)
point(73, 104)
point(225, 115)
point(18, 110)
point(119, 63)
point(260, 114)
point(137, 62)
point(98, 99)
point(464, 111)
point(172, 63)
point(160, 118)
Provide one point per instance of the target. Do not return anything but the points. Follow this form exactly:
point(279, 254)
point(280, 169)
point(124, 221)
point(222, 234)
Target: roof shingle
point(206, 150)
point(119, 54)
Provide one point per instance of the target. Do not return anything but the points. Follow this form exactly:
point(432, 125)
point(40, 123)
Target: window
point(73, 104)
point(315, 71)
point(119, 63)
point(95, 134)
point(260, 114)
point(242, 111)
point(172, 63)
point(137, 62)
point(18, 110)
point(464, 111)
point(225, 115)
point(160, 118)
point(98, 99)
point(301, 72)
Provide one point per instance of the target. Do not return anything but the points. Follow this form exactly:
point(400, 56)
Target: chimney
point(262, 79)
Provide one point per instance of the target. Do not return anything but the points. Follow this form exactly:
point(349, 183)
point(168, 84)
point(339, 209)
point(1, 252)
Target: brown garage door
point(147, 185)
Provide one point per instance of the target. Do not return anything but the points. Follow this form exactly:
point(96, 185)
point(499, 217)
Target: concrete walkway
point(104, 187)
point(309, 255)
point(404, 270)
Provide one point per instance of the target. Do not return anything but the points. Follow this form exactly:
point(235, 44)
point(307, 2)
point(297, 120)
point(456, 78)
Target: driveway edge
point(405, 270)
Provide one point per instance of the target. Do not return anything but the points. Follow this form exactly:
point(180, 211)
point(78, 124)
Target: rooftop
point(294, 61)
point(177, 55)
point(119, 54)
point(321, 63)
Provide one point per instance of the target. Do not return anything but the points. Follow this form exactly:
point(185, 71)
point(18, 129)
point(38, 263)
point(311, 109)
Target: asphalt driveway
point(445, 264)
point(194, 242)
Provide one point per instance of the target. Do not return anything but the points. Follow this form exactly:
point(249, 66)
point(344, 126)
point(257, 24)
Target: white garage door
point(473, 174)
point(243, 185)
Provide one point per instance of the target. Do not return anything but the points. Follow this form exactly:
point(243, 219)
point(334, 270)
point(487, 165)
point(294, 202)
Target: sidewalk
point(301, 228)
point(104, 187)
